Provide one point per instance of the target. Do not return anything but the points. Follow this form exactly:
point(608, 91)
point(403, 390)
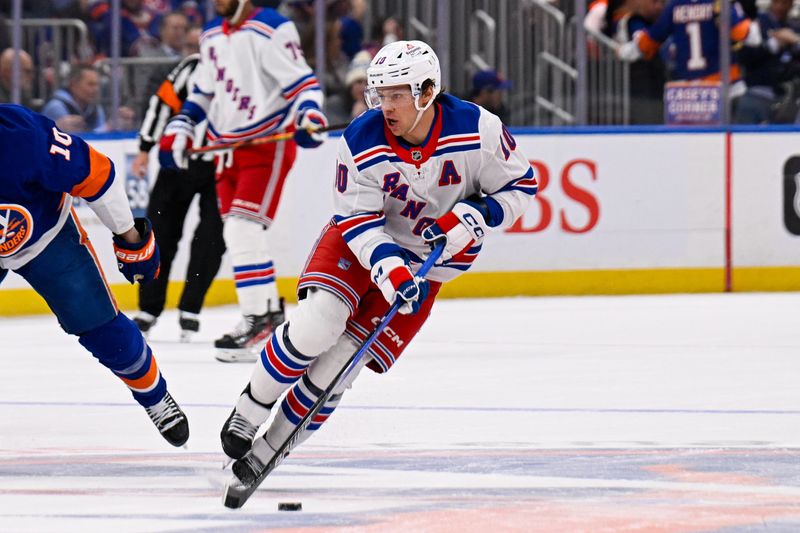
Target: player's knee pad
point(317, 322)
point(245, 239)
point(117, 344)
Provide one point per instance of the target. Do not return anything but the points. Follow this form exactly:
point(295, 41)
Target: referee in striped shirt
point(170, 199)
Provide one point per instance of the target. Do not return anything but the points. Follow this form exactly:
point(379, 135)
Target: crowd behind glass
point(164, 30)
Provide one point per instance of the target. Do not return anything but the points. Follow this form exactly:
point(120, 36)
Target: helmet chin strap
point(238, 13)
point(420, 112)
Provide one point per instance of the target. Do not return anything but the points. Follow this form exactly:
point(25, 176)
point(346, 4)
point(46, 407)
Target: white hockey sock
point(316, 325)
point(253, 270)
point(279, 366)
point(301, 397)
point(255, 413)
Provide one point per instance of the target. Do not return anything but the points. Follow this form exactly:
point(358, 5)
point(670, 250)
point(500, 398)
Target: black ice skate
point(247, 469)
point(237, 435)
point(189, 325)
point(243, 344)
point(250, 471)
point(238, 431)
point(144, 321)
point(250, 467)
point(170, 421)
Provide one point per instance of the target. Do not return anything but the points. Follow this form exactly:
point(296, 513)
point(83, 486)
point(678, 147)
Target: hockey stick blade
point(237, 493)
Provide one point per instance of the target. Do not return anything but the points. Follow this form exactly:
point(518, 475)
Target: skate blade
point(186, 336)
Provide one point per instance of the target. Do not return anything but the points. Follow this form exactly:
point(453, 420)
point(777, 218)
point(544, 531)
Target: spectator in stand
point(384, 31)
point(26, 77)
point(172, 30)
point(604, 15)
point(694, 28)
point(139, 26)
point(647, 76)
point(345, 106)
point(76, 107)
point(488, 89)
point(194, 11)
point(769, 66)
point(352, 32)
point(341, 15)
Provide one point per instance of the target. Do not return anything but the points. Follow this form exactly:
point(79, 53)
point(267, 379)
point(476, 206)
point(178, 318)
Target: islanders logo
point(16, 227)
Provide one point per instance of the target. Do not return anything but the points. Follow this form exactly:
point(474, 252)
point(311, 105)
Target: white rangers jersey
point(252, 78)
point(387, 191)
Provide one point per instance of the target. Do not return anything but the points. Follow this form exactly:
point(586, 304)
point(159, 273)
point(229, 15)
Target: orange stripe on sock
point(145, 382)
point(88, 244)
point(99, 173)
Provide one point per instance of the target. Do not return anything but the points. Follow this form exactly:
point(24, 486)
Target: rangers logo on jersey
point(16, 227)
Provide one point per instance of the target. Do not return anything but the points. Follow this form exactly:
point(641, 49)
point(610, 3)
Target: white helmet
point(403, 63)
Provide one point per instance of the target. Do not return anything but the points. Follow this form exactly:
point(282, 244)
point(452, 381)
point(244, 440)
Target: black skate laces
point(240, 427)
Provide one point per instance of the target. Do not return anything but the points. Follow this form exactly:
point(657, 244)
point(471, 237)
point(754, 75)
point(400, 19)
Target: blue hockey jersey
point(41, 169)
point(694, 28)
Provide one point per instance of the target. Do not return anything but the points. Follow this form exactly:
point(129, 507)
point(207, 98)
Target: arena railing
point(53, 44)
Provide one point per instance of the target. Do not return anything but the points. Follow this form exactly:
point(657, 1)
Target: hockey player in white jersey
point(419, 167)
point(252, 80)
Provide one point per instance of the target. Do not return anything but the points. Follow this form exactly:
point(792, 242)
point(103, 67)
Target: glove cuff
point(145, 229)
point(400, 275)
point(472, 219)
point(180, 124)
point(383, 268)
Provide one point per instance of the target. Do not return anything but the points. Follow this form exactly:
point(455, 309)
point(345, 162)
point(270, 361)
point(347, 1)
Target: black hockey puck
point(290, 506)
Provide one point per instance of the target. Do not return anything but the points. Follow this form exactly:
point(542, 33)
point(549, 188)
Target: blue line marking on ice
point(601, 410)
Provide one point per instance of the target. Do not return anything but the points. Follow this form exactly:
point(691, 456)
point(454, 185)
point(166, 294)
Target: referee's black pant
point(170, 199)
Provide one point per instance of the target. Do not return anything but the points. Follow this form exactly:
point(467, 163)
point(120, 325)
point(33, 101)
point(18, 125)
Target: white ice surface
point(655, 413)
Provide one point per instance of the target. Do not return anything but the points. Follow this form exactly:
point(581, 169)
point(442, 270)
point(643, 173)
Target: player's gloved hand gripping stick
point(236, 494)
point(138, 261)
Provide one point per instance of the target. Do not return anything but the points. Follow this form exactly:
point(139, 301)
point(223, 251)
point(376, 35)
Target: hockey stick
point(273, 138)
point(236, 495)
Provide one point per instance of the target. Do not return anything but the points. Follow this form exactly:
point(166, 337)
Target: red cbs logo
point(568, 221)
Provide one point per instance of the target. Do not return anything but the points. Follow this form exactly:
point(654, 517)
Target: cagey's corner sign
point(692, 103)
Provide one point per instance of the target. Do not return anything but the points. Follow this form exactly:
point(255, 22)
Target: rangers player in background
point(420, 166)
point(42, 240)
point(252, 80)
